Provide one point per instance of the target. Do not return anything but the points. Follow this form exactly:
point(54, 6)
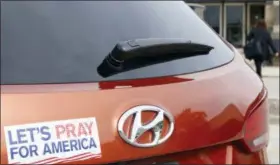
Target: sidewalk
point(267, 71)
point(271, 71)
point(273, 145)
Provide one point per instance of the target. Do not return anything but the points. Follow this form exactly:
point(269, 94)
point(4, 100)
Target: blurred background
point(233, 19)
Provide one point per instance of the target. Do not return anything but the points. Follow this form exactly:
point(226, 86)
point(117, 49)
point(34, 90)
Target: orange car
point(124, 82)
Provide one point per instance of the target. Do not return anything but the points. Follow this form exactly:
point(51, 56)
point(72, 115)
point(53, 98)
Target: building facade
point(233, 19)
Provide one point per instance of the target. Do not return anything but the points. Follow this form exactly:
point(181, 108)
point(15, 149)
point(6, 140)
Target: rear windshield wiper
point(132, 54)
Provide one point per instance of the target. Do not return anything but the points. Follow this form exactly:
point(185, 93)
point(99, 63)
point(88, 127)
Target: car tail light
point(256, 124)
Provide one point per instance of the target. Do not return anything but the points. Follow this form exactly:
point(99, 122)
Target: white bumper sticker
point(53, 142)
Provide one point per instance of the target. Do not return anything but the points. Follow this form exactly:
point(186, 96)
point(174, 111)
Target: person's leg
point(258, 64)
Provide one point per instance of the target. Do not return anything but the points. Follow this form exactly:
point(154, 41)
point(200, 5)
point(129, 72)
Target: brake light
point(256, 124)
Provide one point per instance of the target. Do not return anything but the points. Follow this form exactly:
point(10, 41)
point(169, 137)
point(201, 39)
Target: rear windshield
point(65, 41)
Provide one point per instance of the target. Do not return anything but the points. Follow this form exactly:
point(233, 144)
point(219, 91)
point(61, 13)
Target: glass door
point(255, 12)
point(213, 16)
point(235, 24)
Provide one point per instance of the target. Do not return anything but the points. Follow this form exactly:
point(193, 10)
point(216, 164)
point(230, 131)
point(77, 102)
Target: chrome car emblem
point(138, 128)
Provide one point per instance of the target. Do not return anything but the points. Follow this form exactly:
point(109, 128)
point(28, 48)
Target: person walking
point(263, 45)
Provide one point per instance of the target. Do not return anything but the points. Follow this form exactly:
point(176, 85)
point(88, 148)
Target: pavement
point(272, 85)
point(273, 146)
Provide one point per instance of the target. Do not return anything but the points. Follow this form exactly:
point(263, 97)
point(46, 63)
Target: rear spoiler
point(198, 9)
point(195, 5)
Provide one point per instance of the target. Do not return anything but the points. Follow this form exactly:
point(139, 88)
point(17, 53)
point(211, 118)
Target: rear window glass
point(64, 41)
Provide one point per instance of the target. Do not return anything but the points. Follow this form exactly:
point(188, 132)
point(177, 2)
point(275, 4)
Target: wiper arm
point(158, 50)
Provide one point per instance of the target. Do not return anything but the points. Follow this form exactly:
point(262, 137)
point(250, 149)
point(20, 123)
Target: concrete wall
point(275, 30)
point(272, 20)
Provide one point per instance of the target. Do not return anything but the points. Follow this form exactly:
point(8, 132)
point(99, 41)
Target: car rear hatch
point(57, 108)
point(207, 110)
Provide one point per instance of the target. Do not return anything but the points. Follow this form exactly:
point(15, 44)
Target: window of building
point(212, 15)
point(234, 24)
point(256, 12)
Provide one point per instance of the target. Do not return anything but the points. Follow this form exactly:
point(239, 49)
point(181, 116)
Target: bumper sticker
point(53, 142)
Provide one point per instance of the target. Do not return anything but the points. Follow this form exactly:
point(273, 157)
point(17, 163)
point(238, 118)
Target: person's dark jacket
point(266, 40)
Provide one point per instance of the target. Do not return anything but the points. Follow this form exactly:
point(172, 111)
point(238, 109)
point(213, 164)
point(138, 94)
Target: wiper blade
point(142, 51)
